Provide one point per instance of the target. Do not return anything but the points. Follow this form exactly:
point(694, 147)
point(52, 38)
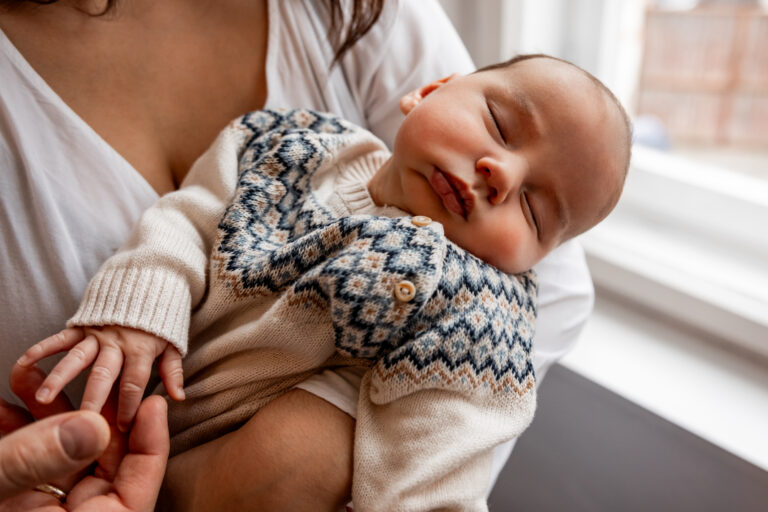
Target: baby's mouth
point(454, 193)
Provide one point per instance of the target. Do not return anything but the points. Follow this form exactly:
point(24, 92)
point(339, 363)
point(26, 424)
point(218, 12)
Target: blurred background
point(663, 402)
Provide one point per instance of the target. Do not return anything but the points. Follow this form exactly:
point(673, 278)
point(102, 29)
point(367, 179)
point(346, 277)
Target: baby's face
point(512, 161)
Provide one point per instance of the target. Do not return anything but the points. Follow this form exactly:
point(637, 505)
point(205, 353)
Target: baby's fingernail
point(42, 395)
point(23, 360)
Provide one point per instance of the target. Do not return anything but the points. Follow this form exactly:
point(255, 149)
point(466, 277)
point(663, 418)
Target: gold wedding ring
point(53, 491)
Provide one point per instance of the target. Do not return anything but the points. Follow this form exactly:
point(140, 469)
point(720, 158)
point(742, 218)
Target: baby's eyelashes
point(530, 214)
point(495, 119)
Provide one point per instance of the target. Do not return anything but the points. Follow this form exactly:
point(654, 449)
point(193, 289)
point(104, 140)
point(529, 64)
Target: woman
point(140, 92)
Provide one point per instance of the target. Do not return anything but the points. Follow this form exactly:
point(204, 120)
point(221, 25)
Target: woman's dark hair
point(343, 32)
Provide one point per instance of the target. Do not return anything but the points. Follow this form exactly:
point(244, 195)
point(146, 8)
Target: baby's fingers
point(172, 373)
point(103, 375)
point(25, 381)
point(59, 342)
point(78, 359)
point(136, 373)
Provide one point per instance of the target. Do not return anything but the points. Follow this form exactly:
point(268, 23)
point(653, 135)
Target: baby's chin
point(510, 268)
point(506, 265)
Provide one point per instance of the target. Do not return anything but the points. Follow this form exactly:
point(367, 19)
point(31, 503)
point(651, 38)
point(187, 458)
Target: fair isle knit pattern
point(272, 263)
point(469, 326)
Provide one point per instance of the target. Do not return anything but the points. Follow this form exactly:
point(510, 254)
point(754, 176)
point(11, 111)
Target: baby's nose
point(499, 178)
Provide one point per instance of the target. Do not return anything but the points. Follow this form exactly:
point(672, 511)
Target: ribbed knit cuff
point(152, 300)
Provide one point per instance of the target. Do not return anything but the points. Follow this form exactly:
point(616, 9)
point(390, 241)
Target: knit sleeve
point(352, 267)
point(431, 411)
point(154, 281)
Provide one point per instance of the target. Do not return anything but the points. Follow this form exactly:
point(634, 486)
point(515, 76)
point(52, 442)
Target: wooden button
point(421, 221)
point(405, 291)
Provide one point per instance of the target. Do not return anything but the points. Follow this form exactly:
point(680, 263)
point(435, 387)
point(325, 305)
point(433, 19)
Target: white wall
point(602, 36)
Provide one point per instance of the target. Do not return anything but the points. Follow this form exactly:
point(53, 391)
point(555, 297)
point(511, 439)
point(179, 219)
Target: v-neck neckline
point(49, 95)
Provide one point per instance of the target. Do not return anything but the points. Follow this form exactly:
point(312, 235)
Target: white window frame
point(687, 240)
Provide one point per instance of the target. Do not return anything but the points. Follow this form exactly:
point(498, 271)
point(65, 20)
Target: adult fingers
point(136, 373)
point(172, 372)
point(90, 494)
point(103, 375)
point(108, 461)
point(80, 357)
point(24, 383)
point(12, 417)
point(63, 340)
point(49, 449)
point(139, 475)
point(141, 472)
point(31, 500)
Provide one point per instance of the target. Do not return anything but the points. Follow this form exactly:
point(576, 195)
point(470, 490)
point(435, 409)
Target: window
point(704, 77)
point(689, 238)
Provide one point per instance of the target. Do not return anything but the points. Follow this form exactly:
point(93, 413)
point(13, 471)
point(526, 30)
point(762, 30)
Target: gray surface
point(588, 449)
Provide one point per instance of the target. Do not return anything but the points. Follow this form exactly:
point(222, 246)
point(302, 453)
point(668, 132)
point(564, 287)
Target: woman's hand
point(110, 349)
point(55, 449)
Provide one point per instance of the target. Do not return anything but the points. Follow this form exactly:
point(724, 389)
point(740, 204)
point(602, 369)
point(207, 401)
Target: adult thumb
point(55, 447)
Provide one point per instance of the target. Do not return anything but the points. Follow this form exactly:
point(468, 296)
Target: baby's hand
point(109, 349)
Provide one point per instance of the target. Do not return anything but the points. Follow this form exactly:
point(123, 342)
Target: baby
point(298, 243)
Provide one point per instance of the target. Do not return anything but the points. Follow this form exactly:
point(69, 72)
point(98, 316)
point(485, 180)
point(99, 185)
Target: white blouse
point(69, 200)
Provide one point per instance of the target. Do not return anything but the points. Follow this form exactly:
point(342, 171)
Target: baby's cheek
point(511, 253)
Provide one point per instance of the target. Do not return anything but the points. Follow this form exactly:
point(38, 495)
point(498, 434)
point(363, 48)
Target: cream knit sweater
point(272, 263)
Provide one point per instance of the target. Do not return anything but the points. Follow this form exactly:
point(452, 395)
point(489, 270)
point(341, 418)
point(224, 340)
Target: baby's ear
point(413, 98)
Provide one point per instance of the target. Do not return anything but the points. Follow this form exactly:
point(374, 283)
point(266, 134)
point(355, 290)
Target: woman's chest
point(156, 87)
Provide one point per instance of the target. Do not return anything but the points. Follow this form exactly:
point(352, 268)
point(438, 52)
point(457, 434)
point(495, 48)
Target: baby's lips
point(454, 191)
point(440, 183)
point(463, 190)
point(469, 201)
point(447, 193)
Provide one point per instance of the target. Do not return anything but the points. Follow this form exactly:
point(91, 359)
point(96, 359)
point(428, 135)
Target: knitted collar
point(352, 186)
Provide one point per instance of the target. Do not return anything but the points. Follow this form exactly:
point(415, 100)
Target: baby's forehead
point(561, 97)
point(551, 79)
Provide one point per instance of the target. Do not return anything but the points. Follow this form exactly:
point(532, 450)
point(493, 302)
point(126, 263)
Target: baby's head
point(513, 159)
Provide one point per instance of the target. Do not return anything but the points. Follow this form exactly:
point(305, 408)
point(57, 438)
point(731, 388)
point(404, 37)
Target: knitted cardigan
point(270, 262)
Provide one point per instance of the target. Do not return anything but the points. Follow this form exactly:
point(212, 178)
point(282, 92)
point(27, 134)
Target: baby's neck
point(384, 187)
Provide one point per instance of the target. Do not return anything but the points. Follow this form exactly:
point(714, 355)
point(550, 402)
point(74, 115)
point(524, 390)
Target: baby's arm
point(431, 411)
point(430, 450)
point(144, 294)
point(453, 373)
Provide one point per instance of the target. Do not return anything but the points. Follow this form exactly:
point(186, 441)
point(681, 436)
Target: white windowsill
point(690, 241)
point(681, 318)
